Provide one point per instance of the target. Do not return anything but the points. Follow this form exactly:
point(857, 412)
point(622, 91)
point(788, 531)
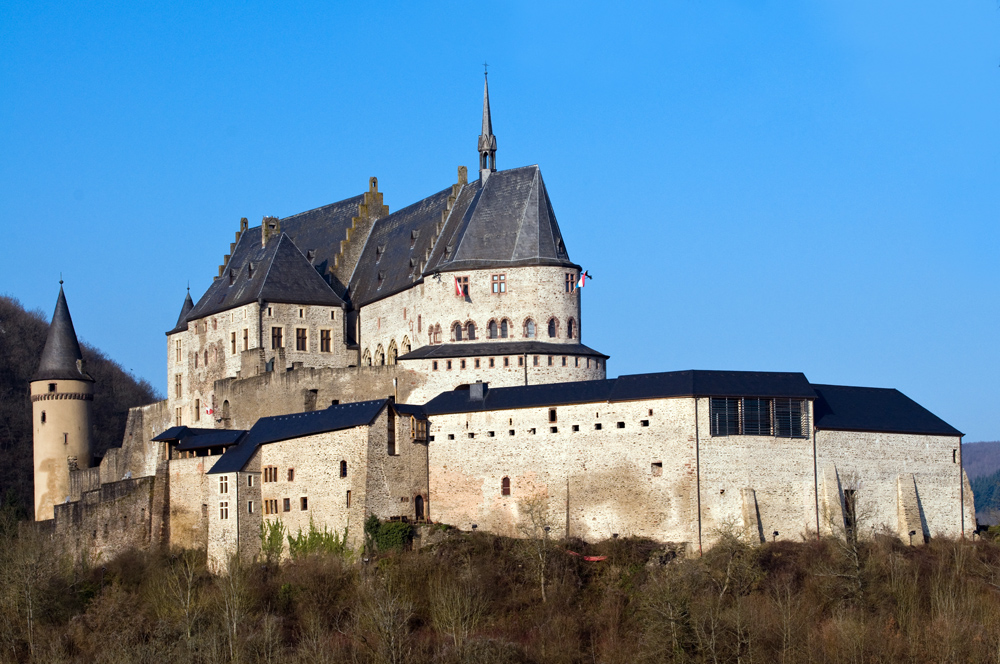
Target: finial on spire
point(487, 141)
point(486, 69)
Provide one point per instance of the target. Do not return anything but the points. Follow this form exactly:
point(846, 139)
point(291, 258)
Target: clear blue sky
point(754, 185)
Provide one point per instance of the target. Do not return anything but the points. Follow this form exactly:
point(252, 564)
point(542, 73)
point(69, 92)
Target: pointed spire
point(61, 358)
point(487, 141)
point(185, 309)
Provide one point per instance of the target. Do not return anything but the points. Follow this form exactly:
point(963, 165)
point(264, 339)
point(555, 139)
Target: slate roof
point(61, 357)
point(320, 231)
point(194, 438)
point(185, 310)
point(629, 388)
point(396, 250)
point(507, 222)
point(479, 348)
point(845, 408)
point(297, 425)
point(277, 272)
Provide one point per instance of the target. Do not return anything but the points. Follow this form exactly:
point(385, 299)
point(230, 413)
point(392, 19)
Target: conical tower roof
point(185, 310)
point(61, 358)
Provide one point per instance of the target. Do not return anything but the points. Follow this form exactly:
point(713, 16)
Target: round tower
point(62, 394)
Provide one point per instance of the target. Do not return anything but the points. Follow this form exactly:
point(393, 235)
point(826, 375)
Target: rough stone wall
point(281, 393)
point(779, 470)
point(223, 520)
point(605, 476)
point(139, 455)
point(395, 480)
point(212, 338)
point(189, 501)
point(316, 462)
point(107, 521)
point(870, 463)
point(538, 293)
point(449, 374)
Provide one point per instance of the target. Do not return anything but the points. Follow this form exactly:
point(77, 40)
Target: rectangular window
point(463, 286)
point(196, 360)
point(177, 416)
point(520, 360)
point(790, 418)
point(270, 473)
point(177, 386)
point(300, 339)
point(224, 484)
point(550, 360)
point(535, 361)
point(552, 415)
point(564, 360)
point(302, 313)
point(348, 498)
point(250, 507)
point(434, 365)
point(286, 504)
point(249, 480)
point(570, 282)
point(756, 417)
point(324, 341)
point(447, 365)
point(462, 364)
point(506, 361)
point(177, 347)
point(303, 503)
point(477, 362)
point(657, 468)
point(725, 416)
point(419, 323)
point(232, 343)
point(224, 510)
point(291, 474)
point(499, 283)
point(246, 339)
point(492, 363)
point(276, 338)
point(197, 410)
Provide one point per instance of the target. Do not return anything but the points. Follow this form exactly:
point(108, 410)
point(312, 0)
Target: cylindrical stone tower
point(62, 394)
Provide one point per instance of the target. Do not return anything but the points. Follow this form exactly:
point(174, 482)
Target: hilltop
point(22, 336)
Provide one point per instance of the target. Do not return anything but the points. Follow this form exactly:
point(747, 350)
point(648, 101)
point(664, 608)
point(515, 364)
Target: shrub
point(318, 541)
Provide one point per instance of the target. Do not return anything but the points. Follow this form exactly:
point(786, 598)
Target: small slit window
point(505, 486)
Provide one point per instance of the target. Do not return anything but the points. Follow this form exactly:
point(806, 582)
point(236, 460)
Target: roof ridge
point(321, 207)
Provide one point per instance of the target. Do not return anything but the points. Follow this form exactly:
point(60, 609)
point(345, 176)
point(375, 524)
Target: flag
point(583, 279)
point(458, 288)
point(209, 411)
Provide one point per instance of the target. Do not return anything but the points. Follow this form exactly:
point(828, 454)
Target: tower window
point(197, 410)
point(462, 286)
point(303, 503)
point(286, 504)
point(52, 387)
point(246, 339)
point(224, 484)
point(504, 328)
point(43, 417)
point(571, 329)
point(343, 468)
point(553, 328)
point(529, 329)
point(300, 338)
point(291, 474)
point(505, 486)
point(570, 282)
point(232, 343)
point(224, 510)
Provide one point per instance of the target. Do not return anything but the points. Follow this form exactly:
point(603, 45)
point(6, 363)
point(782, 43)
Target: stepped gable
point(318, 233)
point(61, 358)
point(508, 221)
point(276, 272)
point(394, 252)
point(185, 310)
point(886, 410)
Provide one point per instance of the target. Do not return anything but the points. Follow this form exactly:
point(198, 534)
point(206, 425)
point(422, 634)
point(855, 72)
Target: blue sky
point(753, 185)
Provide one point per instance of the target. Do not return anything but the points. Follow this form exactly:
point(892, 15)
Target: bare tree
point(384, 614)
point(534, 525)
point(457, 608)
point(235, 592)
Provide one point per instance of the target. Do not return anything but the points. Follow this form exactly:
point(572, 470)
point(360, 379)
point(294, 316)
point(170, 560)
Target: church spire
point(61, 358)
point(487, 141)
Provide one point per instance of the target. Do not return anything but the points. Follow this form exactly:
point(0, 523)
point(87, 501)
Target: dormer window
point(447, 251)
point(413, 238)
point(311, 255)
point(381, 279)
point(250, 267)
point(232, 276)
point(379, 250)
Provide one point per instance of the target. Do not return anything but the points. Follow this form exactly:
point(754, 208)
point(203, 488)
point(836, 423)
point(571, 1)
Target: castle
point(427, 365)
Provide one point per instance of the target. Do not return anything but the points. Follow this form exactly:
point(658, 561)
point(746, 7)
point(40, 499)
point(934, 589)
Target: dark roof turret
point(61, 358)
point(185, 310)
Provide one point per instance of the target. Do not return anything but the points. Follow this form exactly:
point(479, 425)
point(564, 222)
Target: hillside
point(22, 336)
point(980, 459)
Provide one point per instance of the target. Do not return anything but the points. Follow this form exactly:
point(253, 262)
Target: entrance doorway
point(418, 502)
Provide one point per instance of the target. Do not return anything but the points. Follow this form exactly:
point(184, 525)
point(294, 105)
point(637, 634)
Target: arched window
point(571, 329)
point(437, 333)
point(366, 359)
point(392, 352)
point(405, 345)
point(379, 358)
point(225, 412)
point(505, 486)
point(491, 330)
point(343, 468)
point(504, 328)
point(456, 332)
point(553, 328)
point(470, 331)
point(529, 329)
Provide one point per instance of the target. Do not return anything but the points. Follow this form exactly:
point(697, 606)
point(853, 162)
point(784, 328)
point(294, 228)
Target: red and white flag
point(458, 288)
point(209, 411)
point(583, 279)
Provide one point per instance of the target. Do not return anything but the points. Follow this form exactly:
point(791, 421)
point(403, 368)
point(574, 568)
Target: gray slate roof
point(185, 310)
point(507, 222)
point(886, 410)
point(277, 272)
point(297, 425)
point(474, 349)
point(61, 357)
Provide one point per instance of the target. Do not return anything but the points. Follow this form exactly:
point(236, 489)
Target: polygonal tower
point(61, 397)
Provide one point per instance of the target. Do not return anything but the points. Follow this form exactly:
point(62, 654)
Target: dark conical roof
point(185, 310)
point(61, 358)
